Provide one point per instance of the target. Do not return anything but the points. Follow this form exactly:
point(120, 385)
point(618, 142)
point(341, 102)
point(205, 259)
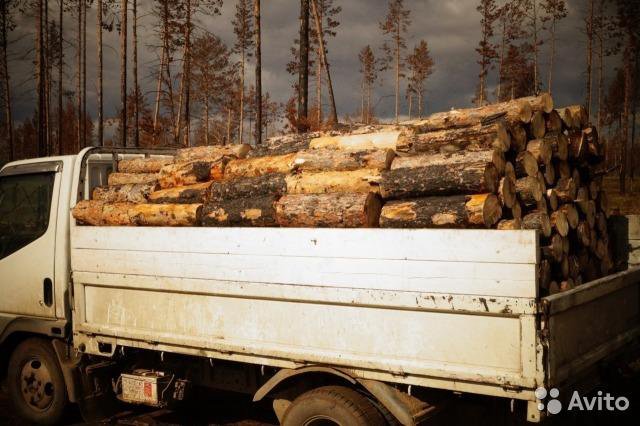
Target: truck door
point(28, 206)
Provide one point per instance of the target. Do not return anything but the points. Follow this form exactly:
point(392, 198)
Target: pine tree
point(486, 49)
point(420, 65)
point(243, 29)
point(555, 11)
point(394, 26)
point(369, 74)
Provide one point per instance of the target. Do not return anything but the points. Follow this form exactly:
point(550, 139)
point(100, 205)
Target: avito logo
point(601, 402)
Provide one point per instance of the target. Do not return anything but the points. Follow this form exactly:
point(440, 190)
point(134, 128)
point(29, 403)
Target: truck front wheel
point(36, 386)
point(332, 405)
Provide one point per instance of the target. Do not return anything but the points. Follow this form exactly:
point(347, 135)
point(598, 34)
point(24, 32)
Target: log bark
point(470, 138)
point(541, 150)
point(190, 194)
point(563, 169)
point(259, 211)
point(322, 160)
point(552, 199)
point(553, 122)
point(183, 174)
point(549, 173)
point(281, 145)
point(537, 127)
point(544, 274)
point(458, 211)
point(529, 190)
point(329, 210)
point(164, 214)
point(259, 186)
point(356, 181)
point(132, 178)
point(583, 232)
point(570, 212)
point(258, 166)
point(510, 171)
point(543, 102)
point(99, 213)
point(577, 146)
point(566, 190)
point(507, 192)
point(212, 153)
point(516, 210)
point(553, 251)
point(143, 165)
point(440, 179)
point(537, 220)
point(512, 112)
point(360, 142)
point(567, 118)
point(559, 145)
point(129, 193)
point(494, 156)
point(579, 116)
point(526, 164)
point(509, 224)
point(518, 138)
point(560, 223)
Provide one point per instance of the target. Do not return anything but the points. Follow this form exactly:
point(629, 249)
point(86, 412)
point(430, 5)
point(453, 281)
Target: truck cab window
point(25, 203)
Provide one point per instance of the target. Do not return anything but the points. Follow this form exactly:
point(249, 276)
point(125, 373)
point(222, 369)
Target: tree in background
point(243, 29)
point(369, 72)
point(420, 65)
point(7, 24)
point(324, 64)
point(589, 31)
point(258, 72)
point(486, 49)
point(511, 17)
point(303, 68)
point(607, 34)
point(555, 11)
point(530, 12)
point(518, 73)
point(394, 27)
point(123, 73)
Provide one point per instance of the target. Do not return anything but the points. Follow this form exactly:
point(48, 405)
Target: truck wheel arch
point(382, 394)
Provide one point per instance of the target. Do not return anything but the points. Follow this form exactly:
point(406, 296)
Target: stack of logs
point(515, 165)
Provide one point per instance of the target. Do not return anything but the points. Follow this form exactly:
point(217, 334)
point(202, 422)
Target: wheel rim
point(36, 386)
point(321, 421)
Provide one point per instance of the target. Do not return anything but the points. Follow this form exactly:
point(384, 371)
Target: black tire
point(32, 362)
point(332, 405)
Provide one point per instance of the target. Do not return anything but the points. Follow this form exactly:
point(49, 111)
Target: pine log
point(510, 171)
point(329, 210)
point(323, 160)
point(458, 211)
point(507, 192)
point(143, 165)
point(250, 187)
point(577, 146)
point(583, 231)
point(563, 169)
point(212, 153)
point(553, 122)
point(281, 145)
point(183, 174)
point(516, 210)
point(440, 179)
point(579, 115)
point(130, 193)
point(559, 145)
point(544, 274)
point(537, 220)
point(363, 181)
point(553, 251)
point(537, 127)
point(526, 164)
point(552, 199)
point(258, 211)
point(574, 266)
point(116, 178)
point(542, 205)
point(359, 142)
point(89, 212)
point(566, 190)
point(470, 138)
point(494, 156)
point(258, 166)
point(509, 224)
point(582, 199)
point(190, 194)
point(529, 190)
point(543, 102)
point(512, 112)
point(518, 138)
point(567, 118)
point(164, 214)
point(560, 223)
point(549, 173)
point(541, 150)
point(571, 214)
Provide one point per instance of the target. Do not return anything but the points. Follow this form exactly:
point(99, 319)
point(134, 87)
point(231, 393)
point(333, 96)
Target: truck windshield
point(25, 202)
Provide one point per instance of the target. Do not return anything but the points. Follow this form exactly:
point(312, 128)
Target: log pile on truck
point(519, 164)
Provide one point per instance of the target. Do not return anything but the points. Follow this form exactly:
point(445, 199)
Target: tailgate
point(589, 323)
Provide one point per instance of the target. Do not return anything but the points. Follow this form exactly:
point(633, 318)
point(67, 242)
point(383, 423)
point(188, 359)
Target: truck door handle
point(47, 292)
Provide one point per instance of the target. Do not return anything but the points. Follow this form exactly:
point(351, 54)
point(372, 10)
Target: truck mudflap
point(588, 324)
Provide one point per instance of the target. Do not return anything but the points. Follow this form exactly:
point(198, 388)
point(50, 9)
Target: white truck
point(336, 326)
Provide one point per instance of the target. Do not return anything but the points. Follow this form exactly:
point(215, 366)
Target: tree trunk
point(538, 126)
point(178, 122)
point(493, 156)
point(212, 153)
point(541, 150)
point(183, 174)
point(128, 193)
point(253, 211)
point(273, 184)
point(164, 214)
point(100, 95)
point(529, 190)
point(472, 177)
point(589, 22)
point(526, 164)
point(258, 29)
point(362, 180)
point(7, 86)
point(123, 73)
point(315, 160)
point(143, 165)
point(552, 54)
point(40, 81)
point(252, 167)
point(325, 64)
point(190, 194)
point(187, 72)
point(117, 178)
point(537, 220)
point(459, 211)
point(339, 210)
point(84, 73)
point(398, 39)
point(474, 137)
point(303, 71)
point(206, 121)
point(535, 47)
point(136, 88)
point(156, 110)
point(566, 190)
point(60, 66)
point(241, 118)
point(99, 213)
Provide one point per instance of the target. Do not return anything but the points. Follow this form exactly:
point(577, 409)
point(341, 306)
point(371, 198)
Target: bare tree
point(303, 67)
point(369, 76)
point(84, 73)
point(395, 25)
point(123, 72)
point(40, 79)
point(420, 65)
point(258, 103)
point(100, 94)
point(323, 60)
point(590, 32)
point(60, 67)
point(486, 49)
point(511, 16)
point(530, 11)
point(136, 88)
point(243, 29)
point(6, 21)
point(555, 10)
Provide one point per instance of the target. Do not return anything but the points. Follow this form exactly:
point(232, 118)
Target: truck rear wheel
point(36, 386)
point(332, 405)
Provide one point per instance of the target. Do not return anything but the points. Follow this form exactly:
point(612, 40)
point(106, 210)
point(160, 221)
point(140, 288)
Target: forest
point(208, 92)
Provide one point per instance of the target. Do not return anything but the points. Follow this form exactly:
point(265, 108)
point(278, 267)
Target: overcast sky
point(451, 28)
